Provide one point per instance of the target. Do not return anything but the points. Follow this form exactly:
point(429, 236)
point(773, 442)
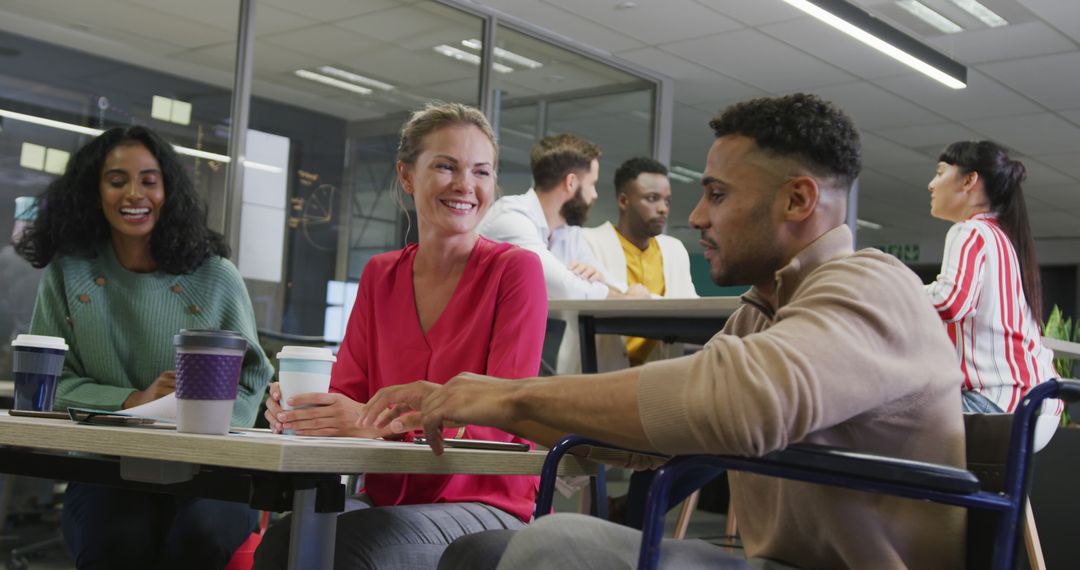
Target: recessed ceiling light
point(354, 78)
point(928, 15)
point(984, 14)
point(327, 80)
point(504, 54)
point(625, 5)
point(462, 55)
point(867, 224)
point(681, 178)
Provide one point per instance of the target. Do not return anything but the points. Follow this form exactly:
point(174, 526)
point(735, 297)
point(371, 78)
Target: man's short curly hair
point(628, 171)
point(800, 126)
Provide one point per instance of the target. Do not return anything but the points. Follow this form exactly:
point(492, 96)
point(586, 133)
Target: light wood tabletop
point(261, 450)
point(701, 308)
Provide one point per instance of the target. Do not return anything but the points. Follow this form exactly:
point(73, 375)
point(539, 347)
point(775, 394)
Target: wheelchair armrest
point(930, 476)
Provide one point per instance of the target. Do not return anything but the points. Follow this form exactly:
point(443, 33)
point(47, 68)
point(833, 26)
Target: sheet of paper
point(162, 409)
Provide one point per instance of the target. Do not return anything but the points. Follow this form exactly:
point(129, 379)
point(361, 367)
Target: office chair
point(995, 484)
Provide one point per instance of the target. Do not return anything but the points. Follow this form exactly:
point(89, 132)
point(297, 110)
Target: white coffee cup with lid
point(302, 370)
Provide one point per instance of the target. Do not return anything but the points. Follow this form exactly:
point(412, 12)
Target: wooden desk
point(267, 471)
point(670, 320)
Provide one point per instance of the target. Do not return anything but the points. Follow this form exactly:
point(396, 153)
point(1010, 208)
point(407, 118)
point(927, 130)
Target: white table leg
point(312, 534)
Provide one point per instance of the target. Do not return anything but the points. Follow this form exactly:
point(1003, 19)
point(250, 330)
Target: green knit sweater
point(119, 326)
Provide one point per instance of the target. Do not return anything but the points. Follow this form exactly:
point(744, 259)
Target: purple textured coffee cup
point(208, 366)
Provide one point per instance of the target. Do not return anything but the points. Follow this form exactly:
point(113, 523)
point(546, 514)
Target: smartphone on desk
point(478, 444)
point(39, 414)
point(102, 417)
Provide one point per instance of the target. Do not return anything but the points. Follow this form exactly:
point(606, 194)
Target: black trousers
point(117, 529)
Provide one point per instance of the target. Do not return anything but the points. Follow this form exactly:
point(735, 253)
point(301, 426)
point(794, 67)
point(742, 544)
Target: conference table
point(670, 320)
point(267, 471)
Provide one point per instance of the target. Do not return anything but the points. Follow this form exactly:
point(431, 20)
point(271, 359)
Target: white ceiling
point(1023, 79)
point(1023, 89)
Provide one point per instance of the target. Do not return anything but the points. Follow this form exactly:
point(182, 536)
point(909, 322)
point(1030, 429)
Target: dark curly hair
point(629, 171)
point(1003, 181)
point(801, 126)
point(70, 220)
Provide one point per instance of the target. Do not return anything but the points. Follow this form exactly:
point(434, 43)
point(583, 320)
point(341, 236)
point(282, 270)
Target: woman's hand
point(273, 407)
point(163, 385)
point(329, 415)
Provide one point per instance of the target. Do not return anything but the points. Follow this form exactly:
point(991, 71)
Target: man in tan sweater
point(832, 346)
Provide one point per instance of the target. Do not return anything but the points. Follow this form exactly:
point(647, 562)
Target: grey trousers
point(410, 537)
point(573, 542)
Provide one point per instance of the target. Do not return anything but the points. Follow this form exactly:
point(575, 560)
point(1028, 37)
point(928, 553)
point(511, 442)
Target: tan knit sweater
point(852, 356)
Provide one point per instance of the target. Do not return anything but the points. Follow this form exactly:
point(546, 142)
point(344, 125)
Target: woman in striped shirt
point(988, 292)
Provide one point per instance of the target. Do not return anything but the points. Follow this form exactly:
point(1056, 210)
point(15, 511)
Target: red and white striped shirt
point(980, 296)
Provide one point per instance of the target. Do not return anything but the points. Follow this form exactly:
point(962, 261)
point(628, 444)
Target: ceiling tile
point(939, 134)
point(1073, 116)
point(775, 66)
point(271, 20)
point(411, 26)
point(1064, 15)
point(1031, 134)
point(330, 10)
point(1041, 174)
point(653, 21)
point(1053, 80)
point(562, 22)
point(1007, 42)
point(754, 13)
point(836, 48)
point(983, 97)
point(694, 83)
point(1069, 163)
point(324, 42)
point(872, 107)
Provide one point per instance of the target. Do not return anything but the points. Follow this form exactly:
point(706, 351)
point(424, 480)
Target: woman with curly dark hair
point(129, 262)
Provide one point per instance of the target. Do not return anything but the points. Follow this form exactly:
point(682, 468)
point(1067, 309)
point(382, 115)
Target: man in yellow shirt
point(636, 251)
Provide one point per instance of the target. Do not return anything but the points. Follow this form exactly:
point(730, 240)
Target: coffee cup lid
point(306, 353)
point(208, 338)
point(39, 341)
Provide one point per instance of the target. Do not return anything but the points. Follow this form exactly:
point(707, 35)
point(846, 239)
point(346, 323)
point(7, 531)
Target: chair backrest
point(552, 339)
point(987, 439)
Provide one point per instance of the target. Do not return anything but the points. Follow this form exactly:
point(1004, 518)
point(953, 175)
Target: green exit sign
point(906, 252)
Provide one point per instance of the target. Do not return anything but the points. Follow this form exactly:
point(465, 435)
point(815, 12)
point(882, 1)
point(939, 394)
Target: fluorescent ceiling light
point(693, 174)
point(928, 15)
point(355, 78)
point(681, 178)
point(462, 55)
point(955, 80)
point(867, 224)
point(984, 14)
point(327, 80)
point(95, 132)
point(503, 54)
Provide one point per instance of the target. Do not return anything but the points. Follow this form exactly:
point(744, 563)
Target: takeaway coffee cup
point(208, 366)
point(303, 369)
point(36, 364)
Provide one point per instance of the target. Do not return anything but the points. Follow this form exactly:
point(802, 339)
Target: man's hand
point(466, 399)
point(163, 385)
point(330, 415)
point(586, 271)
point(638, 291)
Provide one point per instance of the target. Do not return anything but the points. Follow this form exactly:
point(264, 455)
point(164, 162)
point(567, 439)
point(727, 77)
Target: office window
point(545, 89)
point(70, 68)
point(335, 81)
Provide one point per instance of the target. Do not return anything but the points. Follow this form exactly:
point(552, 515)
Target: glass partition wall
point(330, 84)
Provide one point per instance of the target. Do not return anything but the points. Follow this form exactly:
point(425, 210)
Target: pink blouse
point(494, 324)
